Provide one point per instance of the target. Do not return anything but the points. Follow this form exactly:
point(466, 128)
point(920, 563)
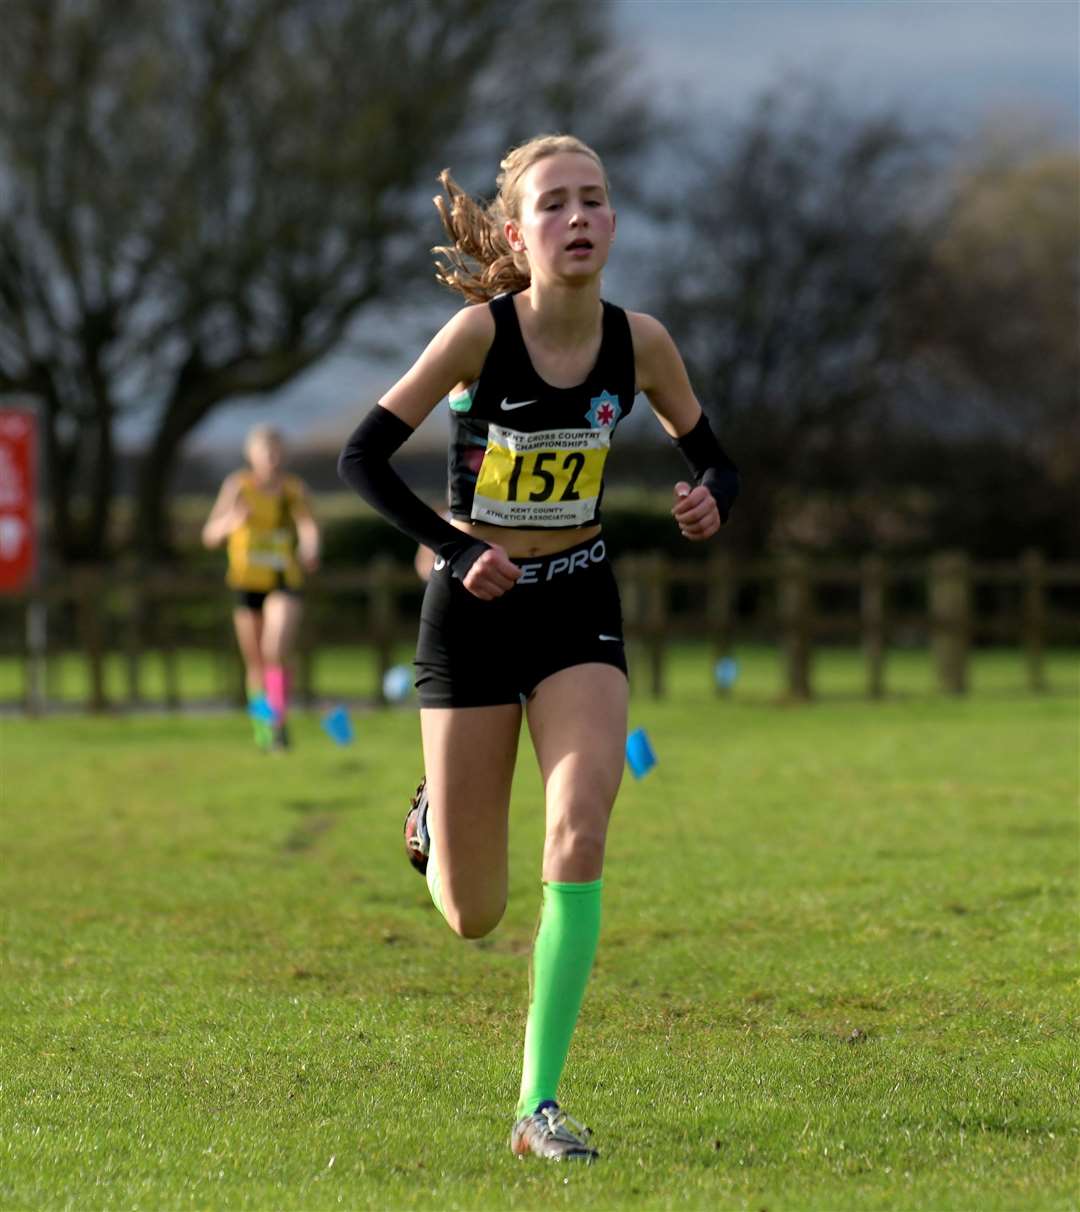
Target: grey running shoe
point(549, 1132)
point(417, 838)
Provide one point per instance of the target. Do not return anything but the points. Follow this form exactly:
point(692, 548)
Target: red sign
point(18, 499)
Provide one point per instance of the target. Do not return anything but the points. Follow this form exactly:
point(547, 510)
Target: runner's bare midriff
point(521, 543)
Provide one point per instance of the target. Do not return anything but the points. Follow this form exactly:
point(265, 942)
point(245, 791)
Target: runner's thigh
point(249, 627)
point(577, 718)
point(281, 620)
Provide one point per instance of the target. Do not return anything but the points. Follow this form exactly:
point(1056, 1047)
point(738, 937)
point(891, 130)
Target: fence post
point(133, 635)
point(35, 681)
point(796, 622)
point(90, 592)
point(1033, 570)
point(720, 607)
point(656, 619)
point(630, 597)
point(872, 608)
point(382, 620)
point(950, 618)
point(165, 636)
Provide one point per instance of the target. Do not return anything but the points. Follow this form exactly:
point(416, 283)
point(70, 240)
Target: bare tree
point(198, 200)
point(797, 232)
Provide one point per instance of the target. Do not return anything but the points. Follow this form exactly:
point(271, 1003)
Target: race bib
point(271, 549)
point(550, 478)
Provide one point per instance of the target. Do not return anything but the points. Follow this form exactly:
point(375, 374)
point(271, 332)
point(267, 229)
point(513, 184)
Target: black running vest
point(527, 455)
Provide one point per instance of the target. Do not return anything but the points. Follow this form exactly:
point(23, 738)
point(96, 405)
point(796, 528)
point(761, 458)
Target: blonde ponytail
point(479, 262)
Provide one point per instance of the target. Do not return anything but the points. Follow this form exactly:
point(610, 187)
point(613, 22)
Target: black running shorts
point(253, 599)
point(562, 611)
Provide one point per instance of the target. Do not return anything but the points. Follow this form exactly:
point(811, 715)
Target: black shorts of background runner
point(563, 610)
point(253, 599)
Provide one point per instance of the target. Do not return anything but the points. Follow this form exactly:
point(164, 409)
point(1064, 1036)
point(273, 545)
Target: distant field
point(838, 967)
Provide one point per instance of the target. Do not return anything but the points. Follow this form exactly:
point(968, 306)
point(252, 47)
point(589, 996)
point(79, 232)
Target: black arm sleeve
point(364, 464)
point(710, 466)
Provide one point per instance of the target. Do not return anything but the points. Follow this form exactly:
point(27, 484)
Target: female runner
point(521, 612)
point(273, 539)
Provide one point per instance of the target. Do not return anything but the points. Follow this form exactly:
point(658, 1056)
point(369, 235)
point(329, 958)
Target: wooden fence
point(948, 603)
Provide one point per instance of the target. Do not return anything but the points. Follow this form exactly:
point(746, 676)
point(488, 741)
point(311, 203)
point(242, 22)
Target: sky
point(931, 57)
point(949, 61)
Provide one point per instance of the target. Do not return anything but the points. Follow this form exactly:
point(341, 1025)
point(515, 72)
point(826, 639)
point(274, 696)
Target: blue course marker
point(398, 683)
point(338, 726)
point(726, 671)
point(639, 753)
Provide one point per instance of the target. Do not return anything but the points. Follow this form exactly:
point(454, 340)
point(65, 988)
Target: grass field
point(838, 967)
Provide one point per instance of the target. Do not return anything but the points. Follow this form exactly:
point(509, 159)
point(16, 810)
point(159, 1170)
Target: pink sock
point(276, 678)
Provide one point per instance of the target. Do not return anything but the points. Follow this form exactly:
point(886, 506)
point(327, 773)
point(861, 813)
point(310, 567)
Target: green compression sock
point(562, 960)
point(260, 725)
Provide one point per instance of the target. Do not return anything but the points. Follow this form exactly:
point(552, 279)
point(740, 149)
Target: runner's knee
point(474, 920)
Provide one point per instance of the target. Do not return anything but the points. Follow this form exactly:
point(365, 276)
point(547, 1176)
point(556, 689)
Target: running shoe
point(417, 838)
point(549, 1132)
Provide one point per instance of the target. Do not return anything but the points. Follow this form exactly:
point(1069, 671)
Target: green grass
point(838, 967)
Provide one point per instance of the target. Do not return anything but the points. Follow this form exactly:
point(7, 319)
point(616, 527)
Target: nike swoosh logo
point(617, 639)
point(506, 406)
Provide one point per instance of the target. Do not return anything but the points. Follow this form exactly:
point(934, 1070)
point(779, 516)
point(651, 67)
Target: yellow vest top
point(262, 552)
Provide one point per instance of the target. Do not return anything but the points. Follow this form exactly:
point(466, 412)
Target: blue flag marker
point(338, 726)
point(639, 753)
point(398, 683)
point(726, 672)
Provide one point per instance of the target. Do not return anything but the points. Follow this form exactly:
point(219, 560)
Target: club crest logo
point(604, 411)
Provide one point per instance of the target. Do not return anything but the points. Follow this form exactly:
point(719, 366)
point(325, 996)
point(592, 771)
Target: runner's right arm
point(454, 358)
point(228, 513)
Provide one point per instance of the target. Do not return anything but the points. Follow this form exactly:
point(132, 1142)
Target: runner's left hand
point(695, 511)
